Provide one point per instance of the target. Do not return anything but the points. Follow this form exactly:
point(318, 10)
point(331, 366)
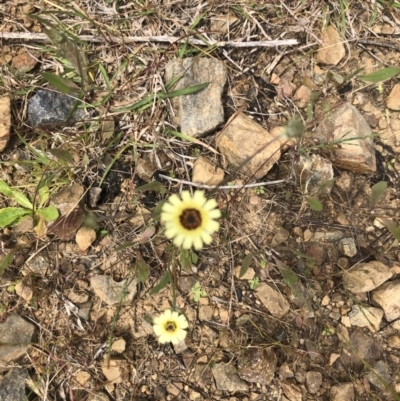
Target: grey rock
point(160, 393)
point(227, 379)
point(364, 316)
point(300, 375)
point(364, 277)
point(387, 296)
point(361, 347)
point(50, 108)
point(246, 143)
point(356, 151)
point(382, 371)
point(38, 265)
point(202, 374)
point(257, 365)
point(348, 247)
point(314, 174)
point(84, 310)
point(68, 198)
point(12, 386)
point(342, 392)
point(328, 236)
point(111, 292)
point(202, 112)
point(313, 382)
point(15, 334)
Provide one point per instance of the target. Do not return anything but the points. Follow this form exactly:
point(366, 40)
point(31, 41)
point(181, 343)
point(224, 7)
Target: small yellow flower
point(170, 327)
point(190, 221)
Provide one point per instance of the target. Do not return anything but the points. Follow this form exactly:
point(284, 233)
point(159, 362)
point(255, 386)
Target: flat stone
point(82, 377)
point(98, 396)
point(328, 236)
point(257, 365)
point(291, 391)
point(200, 113)
point(51, 109)
point(119, 346)
point(348, 126)
point(347, 247)
point(205, 312)
point(15, 335)
point(227, 379)
point(5, 121)
point(205, 172)
point(68, 198)
point(387, 297)
point(342, 392)
point(364, 316)
point(274, 301)
point(302, 96)
point(364, 277)
point(393, 100)
point(332, 50)
point(110, 292)
point(382, 370)
point(394, 341)
point(246, 143)
point(12, 385)
point(38, 265)
point(249, 275)
point(115, 370)
point(313, 382)
point(314, 173)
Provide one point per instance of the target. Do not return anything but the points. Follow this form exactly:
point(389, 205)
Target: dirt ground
point(87, 349)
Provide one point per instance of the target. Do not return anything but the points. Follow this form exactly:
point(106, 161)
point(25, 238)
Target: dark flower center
point(190, 219)
point(170, 326)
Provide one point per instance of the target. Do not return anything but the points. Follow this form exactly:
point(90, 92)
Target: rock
point(300, 375)
point(186, 283)
point(5, 121)
point(24, 62)
point(205, 312)
point(160, 393)
point(12, 385)
point(328, 236)
point(226, 378)
point(85, 237)
point(364, 277)
point(250, 273)
point(274, 301)
point(292, 392)
point(119, 346)
point(314, 174)
point(285, 372)
point(202, 374)
point(174, 389)
point(24, 288)
point(38, 265)
point(394, 341)
point(363, 316)
point(302, 96)
point(333, 49)
point(361, 348)
point(204, 172)
point(98, 396)
point(110, 292)
point(348, 247)
point(202, 112)
point(84, 310)
point(145, 167)
point(348, 126)
point(94, 196)
point(68, 198)
point(342, 392)
point(15, 335)
point(222, 23)
point(115, 370)
point(387, 296)
point(78, 297)
point(279, 237)
point(393, 100)
point(313, 382)
point(382, 371)
point(247, 144)
point(50, 108)
point(82, 377)
point(257, 365)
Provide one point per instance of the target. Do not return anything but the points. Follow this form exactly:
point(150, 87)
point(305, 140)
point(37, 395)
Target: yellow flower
point(170, 327)
point(190, 221)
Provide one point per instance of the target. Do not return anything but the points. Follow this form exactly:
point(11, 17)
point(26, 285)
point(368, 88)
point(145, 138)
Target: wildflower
point(170, 327)
point(190, 221)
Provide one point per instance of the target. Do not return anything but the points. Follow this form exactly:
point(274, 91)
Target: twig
point(193, 184)
point(161, 39)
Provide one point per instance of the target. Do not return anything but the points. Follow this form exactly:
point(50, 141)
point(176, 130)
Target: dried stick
point(160, 39)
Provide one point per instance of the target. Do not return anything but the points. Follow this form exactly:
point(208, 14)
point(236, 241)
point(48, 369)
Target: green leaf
point(380, 75)
point(143, 270)
point(165, 280)
point(245, 265)
point(194, 257)
point(337, 77)
point(49, 213)
point(152, 186)
point(11, 215)
point(16, 195)
point(315, 204)
point(186, 260)
point(393, 228)
point(377, 192)
point(64, 85)
point(188, 91)
point(44, 193)
point(6, 262)
point(155, 215)
point(288, 275)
